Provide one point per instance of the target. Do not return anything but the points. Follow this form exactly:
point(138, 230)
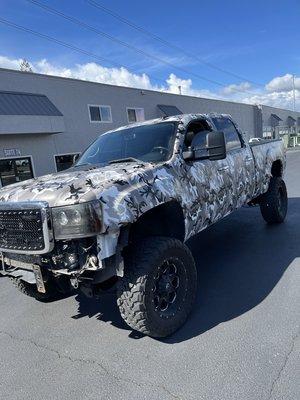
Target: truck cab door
point(211, 197)
point(240, 161)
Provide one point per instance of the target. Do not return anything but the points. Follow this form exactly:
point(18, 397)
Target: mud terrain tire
point(30, 290)
point(158, 290)
point(274, 202)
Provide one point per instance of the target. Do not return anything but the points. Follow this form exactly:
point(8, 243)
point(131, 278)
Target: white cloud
point(96, 73)
point(278, 92)
point(283, 83)
point(234, 88)
point(276, 99)
point(9, 63)
point(174, 82)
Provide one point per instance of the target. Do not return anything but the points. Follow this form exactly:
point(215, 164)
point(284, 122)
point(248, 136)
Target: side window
point(196, 134)
point(135, 114)
point(231, 135)
point(100, 113)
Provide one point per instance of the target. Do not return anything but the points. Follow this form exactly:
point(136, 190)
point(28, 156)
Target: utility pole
point(179, 89)
point(294, 94)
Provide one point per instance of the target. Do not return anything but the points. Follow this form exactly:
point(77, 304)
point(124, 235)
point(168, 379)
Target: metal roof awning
point(18, 103)
point(276, 117)
point(29, 113)
point(291, 121)
point(169, 111)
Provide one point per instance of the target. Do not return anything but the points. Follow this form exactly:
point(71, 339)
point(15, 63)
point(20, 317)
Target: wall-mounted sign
point(12, 152)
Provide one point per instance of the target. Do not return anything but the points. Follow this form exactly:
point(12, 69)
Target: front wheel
point(273, 204)
point(158, 290)
point(53, 291)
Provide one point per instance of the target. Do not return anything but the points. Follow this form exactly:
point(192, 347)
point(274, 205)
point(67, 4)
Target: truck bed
point(265, 153)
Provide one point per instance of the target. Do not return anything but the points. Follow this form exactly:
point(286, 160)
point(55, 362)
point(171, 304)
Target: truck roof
point(184, 118)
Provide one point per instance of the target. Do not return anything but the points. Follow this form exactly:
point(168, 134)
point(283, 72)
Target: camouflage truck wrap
point(176, 190)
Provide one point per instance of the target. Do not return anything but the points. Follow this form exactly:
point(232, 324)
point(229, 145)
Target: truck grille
point(26, 227)
point(21, 230)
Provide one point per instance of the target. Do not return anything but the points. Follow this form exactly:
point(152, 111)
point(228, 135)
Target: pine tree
point(25, 66)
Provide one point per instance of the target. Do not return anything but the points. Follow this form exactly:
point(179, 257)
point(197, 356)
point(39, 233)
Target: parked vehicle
point(255, 140)
point(122, 214)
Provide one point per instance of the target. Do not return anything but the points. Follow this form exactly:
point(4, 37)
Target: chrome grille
point(24, 229)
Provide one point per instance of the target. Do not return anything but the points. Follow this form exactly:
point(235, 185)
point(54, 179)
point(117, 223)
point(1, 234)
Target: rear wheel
point(158, 290)
point(274, 202)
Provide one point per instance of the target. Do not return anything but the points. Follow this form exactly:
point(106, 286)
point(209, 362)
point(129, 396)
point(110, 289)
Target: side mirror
point(216, 145)
point(215, 148)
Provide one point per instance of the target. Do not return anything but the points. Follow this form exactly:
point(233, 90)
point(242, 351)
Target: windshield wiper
point(126, 159)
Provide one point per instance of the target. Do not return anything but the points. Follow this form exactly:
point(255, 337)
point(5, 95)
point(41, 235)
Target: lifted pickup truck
point(121, 215)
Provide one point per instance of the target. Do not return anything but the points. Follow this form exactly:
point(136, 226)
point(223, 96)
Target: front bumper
point(14, 269)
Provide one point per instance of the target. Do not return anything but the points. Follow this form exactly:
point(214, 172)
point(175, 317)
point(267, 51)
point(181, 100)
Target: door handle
point(225, 168)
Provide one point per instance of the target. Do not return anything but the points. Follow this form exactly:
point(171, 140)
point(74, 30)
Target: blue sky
point(257, 40)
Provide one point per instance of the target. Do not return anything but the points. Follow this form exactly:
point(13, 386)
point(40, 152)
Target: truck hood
point(75, 185)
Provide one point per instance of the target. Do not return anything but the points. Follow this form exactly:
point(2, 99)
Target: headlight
point(77, 221)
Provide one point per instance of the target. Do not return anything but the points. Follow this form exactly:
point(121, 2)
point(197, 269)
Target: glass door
point(15, 170)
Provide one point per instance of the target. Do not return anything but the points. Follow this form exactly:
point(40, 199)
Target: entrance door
point(15, 170)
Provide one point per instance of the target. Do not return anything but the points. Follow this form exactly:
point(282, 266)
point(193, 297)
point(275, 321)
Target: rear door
point(240, 161)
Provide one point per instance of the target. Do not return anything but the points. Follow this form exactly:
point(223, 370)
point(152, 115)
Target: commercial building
point(46, 120)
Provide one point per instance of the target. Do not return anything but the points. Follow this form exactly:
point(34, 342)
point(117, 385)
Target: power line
point(69, 46)
point(128, 45)
point(167, 43)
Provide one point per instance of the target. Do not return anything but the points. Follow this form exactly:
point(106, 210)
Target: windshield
point(153, 143)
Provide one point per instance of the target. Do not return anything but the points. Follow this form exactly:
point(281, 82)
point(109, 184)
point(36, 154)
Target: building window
point(135, 114)
point(100, 113)
point(65, 161)
point(15, 170)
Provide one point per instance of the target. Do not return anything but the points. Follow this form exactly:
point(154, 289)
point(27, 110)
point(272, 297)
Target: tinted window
point(15, 170)
point(65, 161)
point(146, 143)
point(95, 113)
point(231, 135)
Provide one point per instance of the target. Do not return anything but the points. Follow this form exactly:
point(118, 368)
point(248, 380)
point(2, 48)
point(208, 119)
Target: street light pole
point(294, 95)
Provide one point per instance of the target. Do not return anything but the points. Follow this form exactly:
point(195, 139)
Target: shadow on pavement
point(240, 260)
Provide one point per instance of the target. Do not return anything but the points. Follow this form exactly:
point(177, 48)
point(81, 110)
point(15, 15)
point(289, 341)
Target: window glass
point(100, 113)
point(231, 135)
point(131, 115)
point(95, 113)
point(139, 112)
point(65, 161)
point(15, 170)
point(105, 114)
point(135, 114)
point(151, 143)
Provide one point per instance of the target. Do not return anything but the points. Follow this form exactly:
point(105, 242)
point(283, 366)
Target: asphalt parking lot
point(241, 342)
